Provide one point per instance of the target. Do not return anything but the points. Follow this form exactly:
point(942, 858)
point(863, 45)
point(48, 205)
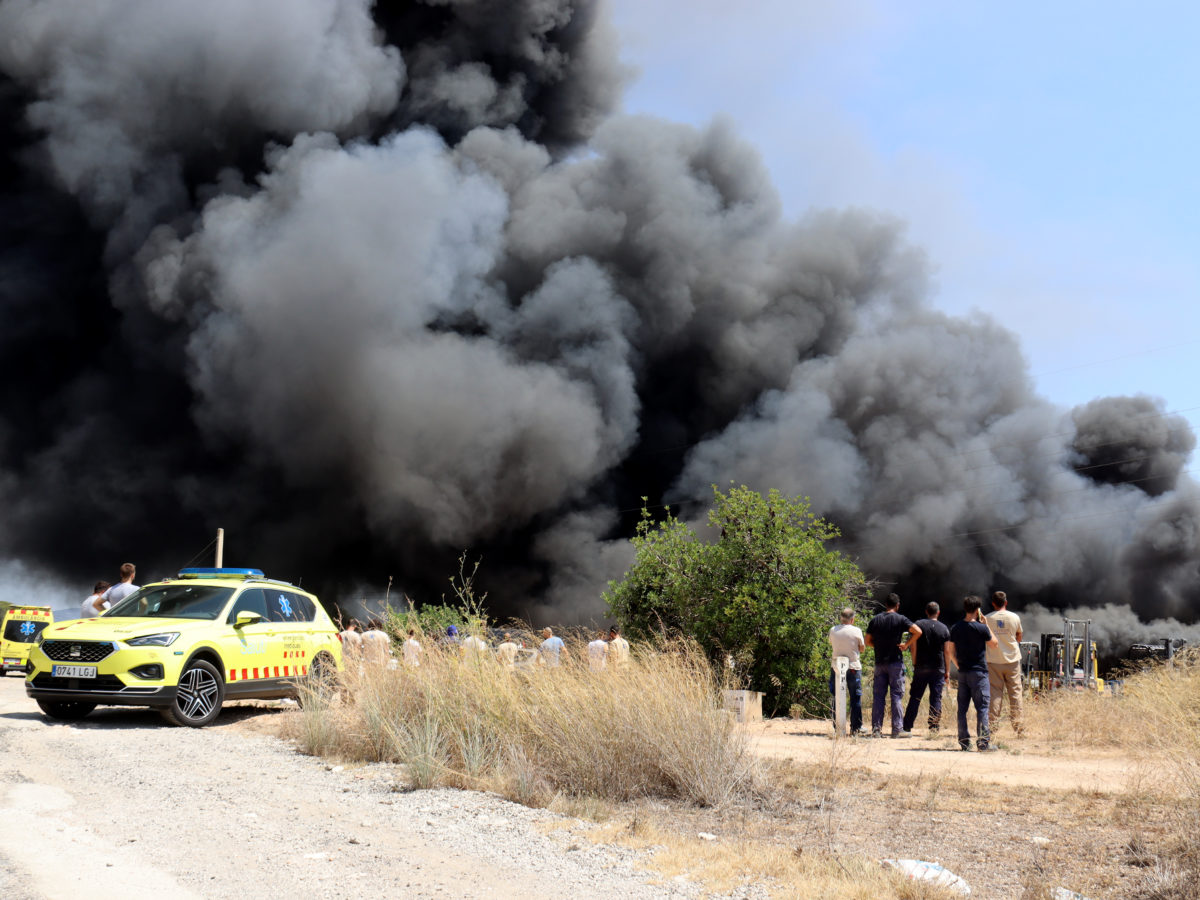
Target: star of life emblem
point(27, 628)
point(285, 606)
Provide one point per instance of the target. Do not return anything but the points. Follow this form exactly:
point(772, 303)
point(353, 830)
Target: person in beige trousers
point(1004, 661)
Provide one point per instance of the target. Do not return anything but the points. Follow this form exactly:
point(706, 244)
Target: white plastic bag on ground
point(918, 870)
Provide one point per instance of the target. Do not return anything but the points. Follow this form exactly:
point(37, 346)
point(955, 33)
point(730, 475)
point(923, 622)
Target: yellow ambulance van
point(22, 625)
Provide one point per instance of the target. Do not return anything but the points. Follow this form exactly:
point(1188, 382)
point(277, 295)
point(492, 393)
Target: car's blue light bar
point(205, 572)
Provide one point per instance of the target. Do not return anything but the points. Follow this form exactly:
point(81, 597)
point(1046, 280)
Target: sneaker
point(964, 745)
point(901, 734)
point(876, 734)
point(988, 748)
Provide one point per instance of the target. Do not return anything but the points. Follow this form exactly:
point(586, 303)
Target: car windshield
point(173, 601)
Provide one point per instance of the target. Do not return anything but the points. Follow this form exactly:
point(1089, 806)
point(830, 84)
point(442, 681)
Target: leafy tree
point(762, 596)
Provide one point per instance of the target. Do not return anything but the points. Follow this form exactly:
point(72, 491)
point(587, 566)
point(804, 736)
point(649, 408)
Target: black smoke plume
point(368, 284)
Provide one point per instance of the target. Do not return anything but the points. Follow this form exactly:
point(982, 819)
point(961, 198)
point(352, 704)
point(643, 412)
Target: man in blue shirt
point(552, 651)
point(931, 668)
point(969, 640)
point(884, 633)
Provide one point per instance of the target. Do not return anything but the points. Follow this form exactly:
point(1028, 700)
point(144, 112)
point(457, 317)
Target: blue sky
point(1043, 154)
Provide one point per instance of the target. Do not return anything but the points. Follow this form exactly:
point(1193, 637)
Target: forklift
point(1067, 660)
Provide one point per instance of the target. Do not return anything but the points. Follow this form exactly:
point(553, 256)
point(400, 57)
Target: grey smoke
point(129, 93)
point(1114, 627)
point(421, 288)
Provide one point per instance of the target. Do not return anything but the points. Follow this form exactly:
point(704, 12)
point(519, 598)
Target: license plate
point(73, 671)
point(12, 662)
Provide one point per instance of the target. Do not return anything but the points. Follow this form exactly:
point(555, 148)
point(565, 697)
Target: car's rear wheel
point(66, 710)
point(199, 696)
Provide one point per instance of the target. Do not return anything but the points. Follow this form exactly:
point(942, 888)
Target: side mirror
point(245, 617)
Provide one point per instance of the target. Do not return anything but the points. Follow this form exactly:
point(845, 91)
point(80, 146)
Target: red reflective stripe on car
point(256, 673)
point(232, 675)
point(243, 675)
point(277, 671)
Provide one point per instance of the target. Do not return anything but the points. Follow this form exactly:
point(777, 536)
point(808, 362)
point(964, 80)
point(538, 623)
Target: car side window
point(249, 600)
point(284, 606)
point(305, 609)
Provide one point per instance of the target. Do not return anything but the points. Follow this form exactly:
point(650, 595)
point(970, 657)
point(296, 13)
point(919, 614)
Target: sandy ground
point(1019, 762)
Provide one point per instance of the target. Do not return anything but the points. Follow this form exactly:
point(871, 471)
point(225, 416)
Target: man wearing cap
point(1004, 660)
point(884, 633)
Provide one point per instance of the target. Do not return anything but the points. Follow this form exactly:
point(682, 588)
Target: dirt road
point(1024, 762)
point(123, 806)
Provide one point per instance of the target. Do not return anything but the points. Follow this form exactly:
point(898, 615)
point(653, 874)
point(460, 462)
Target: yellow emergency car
point(22, 625)
point(184, 646)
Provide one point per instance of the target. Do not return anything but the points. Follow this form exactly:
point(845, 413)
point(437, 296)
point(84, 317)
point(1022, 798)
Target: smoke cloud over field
point(368, 287)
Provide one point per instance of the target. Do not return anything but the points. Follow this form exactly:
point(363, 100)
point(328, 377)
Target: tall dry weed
point(655, 728)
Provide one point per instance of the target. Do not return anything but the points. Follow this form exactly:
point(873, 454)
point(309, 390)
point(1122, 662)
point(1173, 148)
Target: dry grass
point(653, 730)
point(1154, 722)
point(597, 745)
point(724, 864)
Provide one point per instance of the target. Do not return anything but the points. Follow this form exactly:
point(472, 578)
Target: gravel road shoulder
point(121, 805)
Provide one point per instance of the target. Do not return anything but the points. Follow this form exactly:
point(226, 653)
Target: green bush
point(760, 599)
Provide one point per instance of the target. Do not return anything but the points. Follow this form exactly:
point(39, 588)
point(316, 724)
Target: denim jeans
point(973, 688)
point(888, 677)
point(935, 680)
point(853, 696)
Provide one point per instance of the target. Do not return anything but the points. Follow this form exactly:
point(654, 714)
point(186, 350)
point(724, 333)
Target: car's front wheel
point(321, 682)
point(66, 710)
point(199, 695)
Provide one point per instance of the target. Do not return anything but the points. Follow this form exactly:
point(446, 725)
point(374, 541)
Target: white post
point(220, 546)
point(841, 665)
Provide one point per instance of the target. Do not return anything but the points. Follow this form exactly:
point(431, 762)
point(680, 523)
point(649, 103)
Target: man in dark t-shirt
point(884, 633)
point(969, 640)
point(931, 668)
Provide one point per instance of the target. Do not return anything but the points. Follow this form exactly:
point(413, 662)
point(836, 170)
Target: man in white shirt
point(618, 648)
point(412, 650)
point(352, 641)
point(122, 588)
point(598, 653)
point(847, 640)
point(506, 653)
point(376, 644)
point(94, 605)
point(1004, 661)
point(474, 647)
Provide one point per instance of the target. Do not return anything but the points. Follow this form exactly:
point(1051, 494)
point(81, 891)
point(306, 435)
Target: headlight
point(154, 640)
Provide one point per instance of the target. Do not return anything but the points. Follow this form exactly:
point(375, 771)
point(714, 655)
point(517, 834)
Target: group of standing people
point(106, 595)
point(985, 650)
point(374, 645)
